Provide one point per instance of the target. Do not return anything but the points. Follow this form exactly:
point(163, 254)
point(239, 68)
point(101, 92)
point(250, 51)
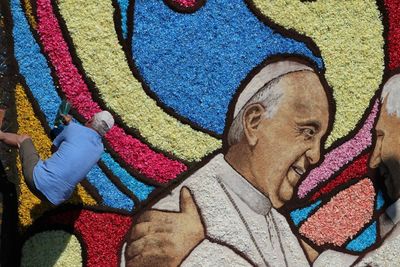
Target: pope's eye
point(379, 133)
point(308, 132)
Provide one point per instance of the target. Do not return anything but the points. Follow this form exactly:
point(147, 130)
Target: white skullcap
point(267, 74)
point(390, 85)
point(106, 117)
point(392, 88)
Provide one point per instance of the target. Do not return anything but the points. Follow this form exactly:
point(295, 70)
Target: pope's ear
point(252, 117)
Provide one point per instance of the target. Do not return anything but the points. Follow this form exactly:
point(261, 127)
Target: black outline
point(40, 116)
point(133, 172)
point(96, 95)
point(289, 33)
point(377, 181)
point(326, 199)
point(294, 57)
point(40, 226)
point(335, 175)
point(340, 142)
point(386, 75)
point(140, 213)
point(33, 6)
point(37, 229)
point(90, 188)
point(127, 45)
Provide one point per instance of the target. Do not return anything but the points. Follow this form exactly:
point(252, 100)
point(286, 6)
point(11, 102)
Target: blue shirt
point(79, 149)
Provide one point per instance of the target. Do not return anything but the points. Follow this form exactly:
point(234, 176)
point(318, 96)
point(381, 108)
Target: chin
point(285, 192)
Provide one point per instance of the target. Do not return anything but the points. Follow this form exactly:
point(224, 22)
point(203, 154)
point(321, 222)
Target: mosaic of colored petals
point(102, 249)
point(123, 7)
point(340, 156)
point(364, 240)
point(393, 39)
point(131, 150)
point(52, 248)
point(299, 215)
point(118, 87)
point(29, 13)
point(349, 35)
point(343, 216)
point(34, 68)
point(197, 51)
point(357, 169)
point(30, 207)
point(353, 63)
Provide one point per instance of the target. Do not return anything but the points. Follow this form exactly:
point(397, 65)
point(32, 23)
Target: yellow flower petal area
point(30, 207)
point(29, 13)
point(52, 248)
point(349, 35)
point(91, 26)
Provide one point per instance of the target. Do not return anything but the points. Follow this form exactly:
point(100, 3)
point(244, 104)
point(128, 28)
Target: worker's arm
point(60, 137)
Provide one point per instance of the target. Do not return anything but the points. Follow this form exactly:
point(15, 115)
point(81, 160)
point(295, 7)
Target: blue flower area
point(110, 194)
point(123, 7)
point(138, 188)
point(380, 201)
point(302, 214)
point(195, 62)
point(33, 66)
point(364, 240)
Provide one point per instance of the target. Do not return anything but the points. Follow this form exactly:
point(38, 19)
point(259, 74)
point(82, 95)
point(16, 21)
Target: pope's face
point(386, 153)
point(289, 142)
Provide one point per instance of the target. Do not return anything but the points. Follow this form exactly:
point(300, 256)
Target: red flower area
point(357, 169)
point(102, 233)
point(393, 39)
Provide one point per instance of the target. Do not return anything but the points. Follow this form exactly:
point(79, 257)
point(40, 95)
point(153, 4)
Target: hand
point(66, 118)
point(162, 238)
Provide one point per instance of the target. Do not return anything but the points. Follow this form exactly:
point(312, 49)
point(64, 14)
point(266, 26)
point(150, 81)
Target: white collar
point(393, 211)
point(257, 201)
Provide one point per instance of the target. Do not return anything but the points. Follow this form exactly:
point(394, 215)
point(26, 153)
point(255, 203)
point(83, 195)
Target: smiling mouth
point(298, 170)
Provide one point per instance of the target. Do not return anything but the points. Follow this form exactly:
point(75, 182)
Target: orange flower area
point(30, 207)
point(343, 216)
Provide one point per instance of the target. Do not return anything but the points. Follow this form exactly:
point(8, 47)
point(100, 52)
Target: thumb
point(187, 203)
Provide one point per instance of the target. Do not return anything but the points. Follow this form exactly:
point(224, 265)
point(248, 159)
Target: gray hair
point(100, 126)
point(268, 96)
point(391, 92)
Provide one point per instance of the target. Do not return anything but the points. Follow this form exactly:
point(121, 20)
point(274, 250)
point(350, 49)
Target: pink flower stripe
point(133, 152)
point(340, 156)
point(343, 216)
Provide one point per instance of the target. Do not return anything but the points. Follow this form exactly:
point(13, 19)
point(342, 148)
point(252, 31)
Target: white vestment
point(243, 229)
point(237, 216)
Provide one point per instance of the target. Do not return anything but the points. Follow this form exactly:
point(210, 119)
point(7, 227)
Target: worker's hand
point(66, 118)
point(162, 238)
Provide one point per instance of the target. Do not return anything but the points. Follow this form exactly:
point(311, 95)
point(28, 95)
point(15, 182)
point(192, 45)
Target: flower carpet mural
point(173, 74)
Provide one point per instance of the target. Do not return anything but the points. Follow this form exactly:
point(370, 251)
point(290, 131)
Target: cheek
point(390, 149)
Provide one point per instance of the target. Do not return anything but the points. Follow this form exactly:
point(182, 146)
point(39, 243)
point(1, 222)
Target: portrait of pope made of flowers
point(279, 120)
